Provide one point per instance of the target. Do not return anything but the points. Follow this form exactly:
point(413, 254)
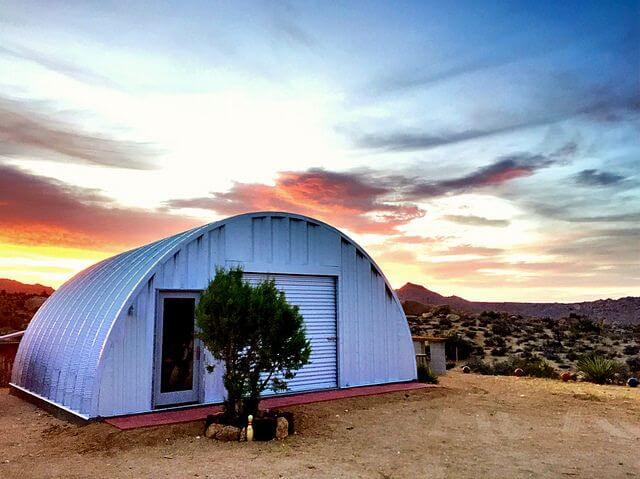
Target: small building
point(435, 358)
point(118, 338)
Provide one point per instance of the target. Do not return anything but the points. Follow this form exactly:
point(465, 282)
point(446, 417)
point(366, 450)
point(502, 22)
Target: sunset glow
point(485, 151)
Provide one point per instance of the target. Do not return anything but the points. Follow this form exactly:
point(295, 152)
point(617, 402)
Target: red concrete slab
point(198, 413)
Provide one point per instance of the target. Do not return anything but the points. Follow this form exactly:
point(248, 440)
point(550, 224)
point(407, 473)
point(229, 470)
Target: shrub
point(491, 314)
point(501, 328)
point(634, 364)
point(631, 350)
point(426, 375)
point(599, 369)
point(255, 333)
point(477, 365)
point(584, 325)
point(535, 367)
point(443, 309)
point(499, 351)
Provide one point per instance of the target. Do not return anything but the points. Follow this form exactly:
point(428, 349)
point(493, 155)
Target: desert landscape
point(466, 427)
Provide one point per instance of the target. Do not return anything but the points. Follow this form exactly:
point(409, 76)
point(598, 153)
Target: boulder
point(453, 317)
point(243, 434)
point(212, 430)
point(282, 428)
point(228, 433)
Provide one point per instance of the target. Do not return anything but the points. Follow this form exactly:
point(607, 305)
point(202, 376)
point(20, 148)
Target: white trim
point(49, 401)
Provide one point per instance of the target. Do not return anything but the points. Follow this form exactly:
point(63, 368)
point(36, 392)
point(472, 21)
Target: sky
point(485, 149)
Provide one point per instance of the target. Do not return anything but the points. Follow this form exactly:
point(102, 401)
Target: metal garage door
point(316, 298)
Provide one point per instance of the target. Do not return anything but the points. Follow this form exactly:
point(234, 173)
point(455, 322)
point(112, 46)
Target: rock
point(243, 434)
point(426, 315)
point(282, 428)
point(228, 433)
point(212, 430)
point(453, 317)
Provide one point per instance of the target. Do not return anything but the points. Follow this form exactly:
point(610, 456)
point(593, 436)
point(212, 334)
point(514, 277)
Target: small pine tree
point(257, 335)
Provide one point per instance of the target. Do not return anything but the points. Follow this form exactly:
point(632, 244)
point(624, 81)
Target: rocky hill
point(492, 336)
point(19, 302)
point(13, 286)
point(621, 311)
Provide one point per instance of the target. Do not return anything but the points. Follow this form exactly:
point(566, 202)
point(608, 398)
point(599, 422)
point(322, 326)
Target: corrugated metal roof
point(60, 353)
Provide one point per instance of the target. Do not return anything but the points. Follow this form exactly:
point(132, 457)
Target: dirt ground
point(470, 426)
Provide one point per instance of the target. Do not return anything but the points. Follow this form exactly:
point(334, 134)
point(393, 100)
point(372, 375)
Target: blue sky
point(484, 149)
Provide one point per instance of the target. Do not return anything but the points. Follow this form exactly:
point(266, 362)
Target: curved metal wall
point(84, 351)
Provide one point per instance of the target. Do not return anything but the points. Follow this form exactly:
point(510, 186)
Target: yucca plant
point(598, 369)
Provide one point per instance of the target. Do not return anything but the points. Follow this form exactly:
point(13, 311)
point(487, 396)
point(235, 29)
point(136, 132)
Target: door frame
point(176, 398)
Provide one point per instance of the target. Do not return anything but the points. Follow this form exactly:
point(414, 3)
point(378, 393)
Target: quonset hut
point(118, 337)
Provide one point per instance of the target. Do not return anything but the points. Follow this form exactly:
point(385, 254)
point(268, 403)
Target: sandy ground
point(471, 426)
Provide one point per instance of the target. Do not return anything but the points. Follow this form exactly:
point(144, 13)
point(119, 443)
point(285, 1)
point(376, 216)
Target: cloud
point(284, 22)
point(633, 217)
point(359, 201)
point(36, 210)
point(475, 220)
point(364, 201)
point(502, 170)
point(27, 132)
point(597, 178)
point(465, 249)
point(57, 65)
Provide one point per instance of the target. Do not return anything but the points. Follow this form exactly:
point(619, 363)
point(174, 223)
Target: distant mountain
point(623, 310)
point(13, 286)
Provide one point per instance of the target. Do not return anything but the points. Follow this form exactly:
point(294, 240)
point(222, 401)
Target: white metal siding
point(315, 296)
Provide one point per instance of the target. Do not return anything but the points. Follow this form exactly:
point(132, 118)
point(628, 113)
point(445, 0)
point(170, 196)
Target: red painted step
point(198, 413)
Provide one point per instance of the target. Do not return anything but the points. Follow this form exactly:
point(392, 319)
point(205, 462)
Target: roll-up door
point(316, 298)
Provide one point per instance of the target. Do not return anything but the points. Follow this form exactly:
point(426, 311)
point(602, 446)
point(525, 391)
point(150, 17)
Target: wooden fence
point(422, 360)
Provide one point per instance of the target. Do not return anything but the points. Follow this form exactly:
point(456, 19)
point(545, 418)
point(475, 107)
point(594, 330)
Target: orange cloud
point(35, 210)
point(346, 199)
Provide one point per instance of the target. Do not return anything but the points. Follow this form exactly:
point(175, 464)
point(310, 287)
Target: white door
point(177, 367)
point(316, 298)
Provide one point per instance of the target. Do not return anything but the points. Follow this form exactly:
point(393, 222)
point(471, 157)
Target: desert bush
point(634, 364)
point(535, 367)
point(491, 314)
point(497, 341)
point(443, 309)
point(501, 328)
point(255, 333)
point(599, 369)
point(499, 351)
point(426, 375)
point(445, 323)
point(584, 325)
point(477, 365)
point(631, 349)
